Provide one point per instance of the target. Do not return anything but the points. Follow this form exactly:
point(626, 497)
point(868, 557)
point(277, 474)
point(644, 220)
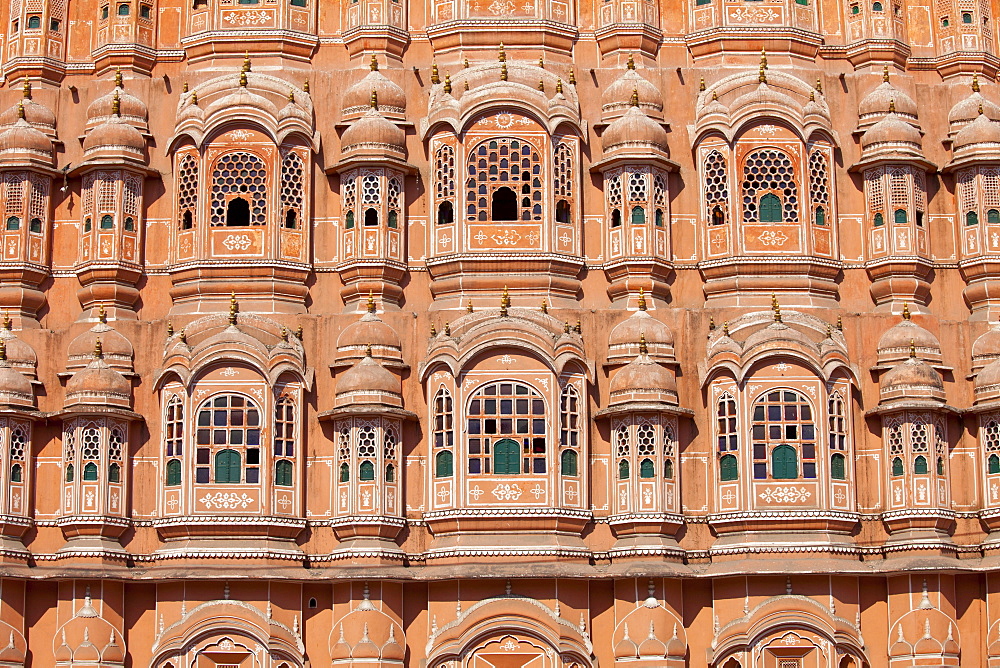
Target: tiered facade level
point(489, 334)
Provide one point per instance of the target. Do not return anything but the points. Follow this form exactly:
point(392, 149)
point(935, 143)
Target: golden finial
point(775, 307)
point(975, 82)
point(447, 82)
point(305, 86)
point(829, 331)
point(447, 329)
point(3, 350)
point(819, 85)
point(102, 316)
point(503, 71)
point(980, 108)
point(243, 79)
point(466, 84)
point(116, 105)
point(906, 311)
point(26, 88)
point(725, 328)
point(194, 98)
point(541, 62)
point(812, 96)
point(504, 302)
point(711, 323)
point(284, 334)
point(840, 323)
point(373, 103)
point(541, 84)
point(246, 61)
point(298, 332)
point(368, 350)
point(170, 329)
point(643, 348)
point(502, 55)
point(545, 306)
point(373, 65)
point(571, 78)
point(184, 87)
point(913, 350)
point(371, 302)
point(885, 74)
point(892, 106)
point(98, 349)
point(642, 299)
point(291, 95)
point(234, 308)
point(6, 321)
point(635, 97)
point(558, 86)
point(469, 309)
point(763, 58)
point(762, 75)
point(183, 335)
point(465, 63)
point(566, 327)
point(119, 82)
point(715, 96)
point(433, 330)
point(578, 327)
point(701, 85)
point(20, 110)
point(631, 62)
point(435, 77)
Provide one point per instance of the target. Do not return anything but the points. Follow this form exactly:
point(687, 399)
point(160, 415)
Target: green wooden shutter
point(507, 457)
point(920, 464)
point(569, 463)
point(770, 209)
point(623, 472)
point(345, 473)
point(994, 464)
point(899, 217)
point(897, 466)
point(638, 216)
point(784, 463)
point(728, 469)
point(647, 469)
point(838, 467)
point(90, 471)
point(174, 472)
point(367, 471)
point(227, 466)
point(444, 464)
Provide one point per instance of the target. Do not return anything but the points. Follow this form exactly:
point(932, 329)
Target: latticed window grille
point(769, 171)
point(187, 192)
point(507, 430)
point(284, 427)
point(562, 184)
point(783, 434)
point(716, 188)
point(240, 174)
point(443, 433)
point(569, 430)
point(292, 189)
point(819, 187)
point(504, 164)
point(623, 448)
point(444, 172)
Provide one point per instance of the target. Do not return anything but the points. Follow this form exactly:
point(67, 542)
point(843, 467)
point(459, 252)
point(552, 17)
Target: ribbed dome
point(894, 345)
point(980, 131)
point(370, 330)
point(368, 382)
point(968, 108)
point(390, 95)
point(623, 342)
point(243, 97)
point(987, 346)
point(989, 377)
point(912, 379)
point(884, 96)
point(15, 389)
point(23, 138)
point(373, 130)
point(891, 129)
point(777, 331)
point(643, 379)
point(635, 128)
point(129, 106)
point(117, 350)
point(98, 384)
point(764, 97)
point(618, 96)
point(36, 114)
point(19, 353)
point(115, 134)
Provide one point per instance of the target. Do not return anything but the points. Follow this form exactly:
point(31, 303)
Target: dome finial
point(906, 311)
point(819, 85)
point(246, 60)
point(116, 105)
point(170, 329)
point(634, 101)
point(775, 307)
point(447, 83)
point(975, 82)
point(763, 57)
point(711, 323)
point(119, 81)
point(373, 103)
point(26, 88)
point(885, 74)
point(102, 316)
point(571, 78)
point(502, 55)
point(892, 106)
point(469, 309)
point(447, 329)
point(643, 348)
point(541, 85)
point(183, 336)
point(465, 63)
point(298, 332)
point(913, 350)
point(725, 328)
point(631, 62)
point(305, 86)
point(6, 321)
point(194, 98)
point(98, 349)
point(701, 85)
point(435, 77)
point(371, 302)
point(20, 110)
point(234, 309)
point(291, 95)
point(373, 66)
point(559, 86)
point(840, 323)
point(433, 330)
point(642, 299)
point(504, 302)
point(541, 62)
point(243, 79)
point(980, 108)
point(368, 350)
point(762, 75)
point(503, 71)
point(545, 306)
point(184, 87)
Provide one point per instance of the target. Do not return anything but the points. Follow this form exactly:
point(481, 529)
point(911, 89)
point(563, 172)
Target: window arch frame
point(783, 421)
point(535, 445)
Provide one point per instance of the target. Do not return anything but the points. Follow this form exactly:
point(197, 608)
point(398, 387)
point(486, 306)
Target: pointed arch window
point(569, 429)
point(506, 411)
point(231, 424)
point(716, 187)
point(770, 191)
point(783, 434)
point(239, 190)
point(443, 435)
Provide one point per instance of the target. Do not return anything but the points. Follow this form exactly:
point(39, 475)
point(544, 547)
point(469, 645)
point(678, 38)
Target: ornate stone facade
point(498, 334)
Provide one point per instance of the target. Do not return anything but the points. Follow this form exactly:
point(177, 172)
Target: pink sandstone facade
point(489, 333)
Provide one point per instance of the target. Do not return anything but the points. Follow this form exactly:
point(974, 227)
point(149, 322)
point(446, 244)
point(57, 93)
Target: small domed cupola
point(114, 141)
point(15, 389)
point(623, 342)
point(391, 97)
point(118, 103)
point(895, 344)
point(635, 130)
point(616, 100)
point(368, 382)
point(371, 331)
point(118, 353)
point(643, 380)
point(883, 100)
point(970, 108)
point(98, 384)
point(22, 144)
point(372, 133)
point(912, 380)
point(35, 114)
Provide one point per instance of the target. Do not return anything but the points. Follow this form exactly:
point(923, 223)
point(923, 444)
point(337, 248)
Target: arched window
point(971, 218)
point(993, 217)
point(511, 165)
point(173, 432)
point(659, 218)
point(124, 9)
point(899, 217)
point(15, 473)
point(90, 472)
point(173, 472)
point(623, 449)
point(993, 464)
point(728, 438)
point(244, 175)
point(444, 464)
point(562, 212)
point(966, 17)
point(569, 426)
point(13, 223)
point(920, 465)
point(819, 186)
point(782, 419)
point(129, 224)
point(446, 213)
point(838, 467)
point(371, 217)
point(897, 466)
point(838, 423)
point(768, 173)
point(290, 219)
point(228, 423)
point(69, 473)
point(284, 427)
point(647, 469)
point(716, 187)
point(784, 463)
point(940, 465)
point(503, 411)
point(668, 469)
point(718, 218)
point(349, 220)
point(237, 213)
point(770, 209)
point(990, 436)
point(107, 222)
point(114, 473)
point(283, 473)
point(390, 473)
point(616, 218)
point(623, 472)
point(292, 192)
point(187, 221)
point(345, 473)
point(876, 6)
point(638, 216)
point(568, 463)
point(88, 225)
point(34, 22)
point(228, 468)
point(820, 216)
point(728, 468)
point(366, 471)
point(90, 452)
point(879, 220)
point(145, 12)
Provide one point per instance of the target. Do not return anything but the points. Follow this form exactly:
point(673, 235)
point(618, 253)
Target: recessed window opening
point(238, 213)
point(371, 218)
point(504, 204)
